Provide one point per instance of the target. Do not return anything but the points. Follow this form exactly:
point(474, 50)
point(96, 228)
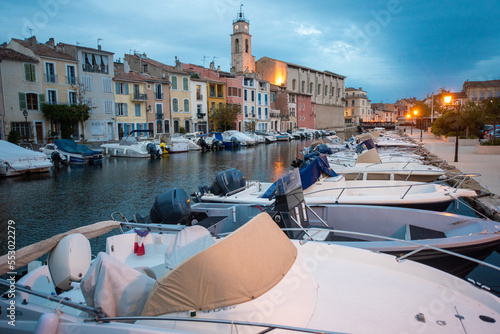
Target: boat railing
point(98, 316)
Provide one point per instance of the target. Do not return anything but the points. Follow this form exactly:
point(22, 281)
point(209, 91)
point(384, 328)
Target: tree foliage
point(66, 116)
point(471, 119)
point(225, 117)
point(446, 124)
point(250, 126)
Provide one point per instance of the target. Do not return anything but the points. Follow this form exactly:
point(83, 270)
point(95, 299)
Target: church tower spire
point(241, 45)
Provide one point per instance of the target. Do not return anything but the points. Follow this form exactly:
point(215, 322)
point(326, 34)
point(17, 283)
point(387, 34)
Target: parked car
point(487, 129)
point(489, 134)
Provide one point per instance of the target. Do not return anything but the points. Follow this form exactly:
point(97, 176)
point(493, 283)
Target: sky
point(393, 49)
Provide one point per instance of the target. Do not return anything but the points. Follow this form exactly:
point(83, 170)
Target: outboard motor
point(225, 182)
point(217, 145)
point(203, 144)
point(57, 159)
point(171, 207)
point(289, 203)
point(235, 142)
point(152, 150)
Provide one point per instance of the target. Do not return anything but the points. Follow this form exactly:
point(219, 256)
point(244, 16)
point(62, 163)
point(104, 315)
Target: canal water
point(44, 205)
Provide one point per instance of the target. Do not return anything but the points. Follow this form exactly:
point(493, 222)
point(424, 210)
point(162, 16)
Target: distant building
point(383, 112)
point(477, 91)
point(357, 106)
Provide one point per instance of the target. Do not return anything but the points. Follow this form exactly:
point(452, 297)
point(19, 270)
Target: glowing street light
point(447, 100)
point(415, 112)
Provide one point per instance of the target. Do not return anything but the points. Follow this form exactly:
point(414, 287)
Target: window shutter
point(125, 109)
point(117, 110)
point(27, 72)
point(22, 101)
point(137, 110)
point(41, 100)
point(126, 88)
point(117, 87)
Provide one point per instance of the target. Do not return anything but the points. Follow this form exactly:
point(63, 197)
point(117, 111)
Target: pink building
point(305, 111)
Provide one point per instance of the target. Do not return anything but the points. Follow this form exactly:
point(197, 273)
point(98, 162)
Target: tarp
point(120, 290)
point(241, 267)
point(11, 152)
point(365, 136)
point(366, 145)
point(370, 156)
point(32, 252)
point(69, 146)
point(309, 174)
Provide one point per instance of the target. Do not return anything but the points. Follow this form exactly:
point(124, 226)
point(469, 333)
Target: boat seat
point(417, 233)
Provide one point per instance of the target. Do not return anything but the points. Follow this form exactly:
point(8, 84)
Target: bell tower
point(241, 45)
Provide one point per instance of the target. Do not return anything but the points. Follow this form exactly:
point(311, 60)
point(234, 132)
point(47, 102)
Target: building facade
point(357, 106)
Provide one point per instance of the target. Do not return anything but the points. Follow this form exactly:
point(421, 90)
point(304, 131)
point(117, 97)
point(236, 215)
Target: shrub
point(14, 137)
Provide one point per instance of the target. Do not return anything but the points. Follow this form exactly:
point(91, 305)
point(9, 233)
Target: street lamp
point(25, 114)
point(447, 100)
point(415, 112)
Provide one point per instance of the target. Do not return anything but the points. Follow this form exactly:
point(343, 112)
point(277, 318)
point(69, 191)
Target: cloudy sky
point(391, 48)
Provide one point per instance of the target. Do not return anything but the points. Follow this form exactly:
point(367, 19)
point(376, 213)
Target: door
point(111, 135)
point(39, 132)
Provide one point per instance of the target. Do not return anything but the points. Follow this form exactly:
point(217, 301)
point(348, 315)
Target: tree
point(66, 116)
point(446, 124)
point(472, 119)
point(251, 125)
point(492, 113)
point(224, 117)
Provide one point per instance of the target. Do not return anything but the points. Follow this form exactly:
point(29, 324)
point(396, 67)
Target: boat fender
point(47, 324)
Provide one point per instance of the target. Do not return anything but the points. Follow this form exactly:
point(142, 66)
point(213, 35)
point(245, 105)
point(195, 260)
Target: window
point(97, 128)
point(72, 97)
point(107, 85)
point(121, 88)
point(266, 112)
point(23, 128)
point(199, 110)
point(175, 105)
point(319, 89)
point(94, 63)
point(86, 82)
point(310, 88)
point(481, 95)
point(159, 108)
point(303, 87)
point(265, 99)
point(121, 109)
point(474, 96)
point(326, 90)
point(253, 96)
point(50, 72)
point(497, 94)
point(259, 112)
point(352, 103)
point(187, 125)
point(70, 75)
point(273, 97)
point(246, 111)
point(259, 98)
point(31, 101)
point(253, 111)
point(137, 110)
point(29, 72)
point(186, 105)
point(245, 95)
point(108, 106)
point(185, 83)
point(158, 91)
point(176, 126)
point(236, 45)
point(246, 45)
point(173, 82)
point(490, 94)
point(51, 96)
point(294, 83)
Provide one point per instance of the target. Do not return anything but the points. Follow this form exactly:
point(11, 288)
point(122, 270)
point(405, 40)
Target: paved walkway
point(468, 161)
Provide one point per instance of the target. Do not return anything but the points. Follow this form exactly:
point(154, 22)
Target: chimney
point(212, 66)
point(99, 47)
point(51, 42)
point(31, 41)
point(218, 68)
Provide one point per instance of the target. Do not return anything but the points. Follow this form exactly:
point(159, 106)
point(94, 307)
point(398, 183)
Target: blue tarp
point(366, 145)
point(308, 174)
point(69, 146)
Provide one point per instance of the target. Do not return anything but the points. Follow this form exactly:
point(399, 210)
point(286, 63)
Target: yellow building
point(130, 103)
point(180, 101)
point(216, 97)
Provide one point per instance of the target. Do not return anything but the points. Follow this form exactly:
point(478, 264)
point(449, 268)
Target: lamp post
point(25, 114)
point(447, 100)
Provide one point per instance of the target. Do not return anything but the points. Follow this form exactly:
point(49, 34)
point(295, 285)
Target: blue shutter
point(137, 110)
point(116, 109)
point(117, 87)
point(125, 109)
point(126, 88)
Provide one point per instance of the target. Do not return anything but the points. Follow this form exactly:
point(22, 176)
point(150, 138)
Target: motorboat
point(175, 279)
point(16, 160)
point(241, 138)
point(323, 186)
point(130, 147)
point(283, 136)
point(70, 152)
point(174, 144)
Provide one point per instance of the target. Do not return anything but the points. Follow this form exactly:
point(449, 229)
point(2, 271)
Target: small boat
point(130, 147)
point(176, 279)
point(70, 152)
point(230, 187)
point(173, 144)
point(16, 160)
point(239, 137)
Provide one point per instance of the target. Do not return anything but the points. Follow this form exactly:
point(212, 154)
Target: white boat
point(67, 151)
point(254, 280)
point(243, 139)
point(230, 187)
point(130, 147)
point(15, 160)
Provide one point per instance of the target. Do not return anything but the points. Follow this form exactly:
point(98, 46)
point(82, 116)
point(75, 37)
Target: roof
point(43, 50)
point(86, 48)
point(481, 84)
point(458, 95)
point(134, 76)
point(308, 68)
point(168, 68)
point(10, 54)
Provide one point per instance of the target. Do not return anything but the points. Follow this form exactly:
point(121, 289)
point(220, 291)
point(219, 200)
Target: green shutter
point(22, 101)
point(27, 72)
point(41, 100)
point(33, 72)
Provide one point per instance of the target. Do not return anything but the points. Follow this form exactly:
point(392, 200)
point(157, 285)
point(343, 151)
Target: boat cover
point(366, 145)
point(32, 252)
point(119, 290)
point(11, 152)
point(239, 268)
point(308, 174)
point(365, 136)
point(369, 157)
point(188, 242)
point(69, 146)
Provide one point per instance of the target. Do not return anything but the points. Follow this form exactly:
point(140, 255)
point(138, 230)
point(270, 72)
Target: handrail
point(369, 187)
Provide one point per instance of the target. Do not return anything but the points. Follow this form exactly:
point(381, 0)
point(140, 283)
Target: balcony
point(71, 80)
point(50, 77)
point(159, 116)
point(95, 68)
point(200, 115)
point(139, 97)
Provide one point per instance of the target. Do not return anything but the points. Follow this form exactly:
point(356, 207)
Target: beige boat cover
point(240, 268)
point(316, 143)
point(375, 133)
point(365, 136)
point(369, 157)
point(32, 252)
